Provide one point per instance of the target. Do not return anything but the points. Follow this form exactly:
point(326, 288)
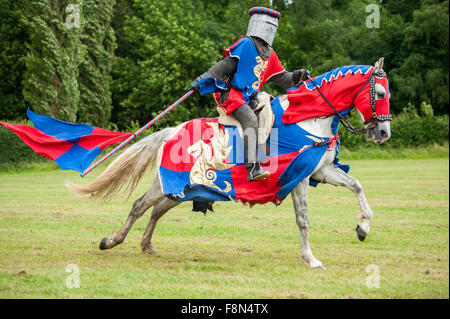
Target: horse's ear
point(379, 65)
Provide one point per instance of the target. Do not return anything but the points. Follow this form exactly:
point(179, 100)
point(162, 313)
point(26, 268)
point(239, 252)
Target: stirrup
point(255, 172)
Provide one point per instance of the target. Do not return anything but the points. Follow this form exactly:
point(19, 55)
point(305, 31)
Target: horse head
point(372, 101)
point(362, 87)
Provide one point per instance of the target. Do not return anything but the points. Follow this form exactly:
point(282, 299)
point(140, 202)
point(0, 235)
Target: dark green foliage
point(12, 66)
point(54, 55)
point(423, 75)
point(410, 128)
point(97, 36)
point(67, 72)
point(167, 55)
point(413, 38)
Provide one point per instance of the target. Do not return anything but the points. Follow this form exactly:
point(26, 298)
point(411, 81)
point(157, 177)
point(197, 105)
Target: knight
point(235, 81)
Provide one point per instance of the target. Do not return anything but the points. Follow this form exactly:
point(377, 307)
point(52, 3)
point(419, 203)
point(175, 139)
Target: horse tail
point(127, 169)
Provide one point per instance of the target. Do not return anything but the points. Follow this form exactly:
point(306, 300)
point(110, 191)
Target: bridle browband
point(370, 123)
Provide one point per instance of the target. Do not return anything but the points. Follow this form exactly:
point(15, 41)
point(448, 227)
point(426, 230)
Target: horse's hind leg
point(335, 176)
point(140, 206)
point(159, 210)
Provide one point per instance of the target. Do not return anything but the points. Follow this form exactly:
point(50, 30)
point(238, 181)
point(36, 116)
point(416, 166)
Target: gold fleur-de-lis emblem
point(258, 70)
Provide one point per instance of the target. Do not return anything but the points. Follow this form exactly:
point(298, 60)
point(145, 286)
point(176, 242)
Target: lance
point(129, 139)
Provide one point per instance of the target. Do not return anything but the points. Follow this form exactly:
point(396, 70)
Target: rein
point(370, 123)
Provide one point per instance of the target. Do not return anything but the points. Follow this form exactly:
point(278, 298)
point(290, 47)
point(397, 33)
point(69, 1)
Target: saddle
point(263, 111)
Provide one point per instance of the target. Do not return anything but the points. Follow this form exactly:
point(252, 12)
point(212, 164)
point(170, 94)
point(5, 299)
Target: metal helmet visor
point(263, 26)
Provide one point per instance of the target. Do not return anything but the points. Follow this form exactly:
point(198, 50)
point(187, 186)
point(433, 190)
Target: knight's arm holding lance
point(236, 80)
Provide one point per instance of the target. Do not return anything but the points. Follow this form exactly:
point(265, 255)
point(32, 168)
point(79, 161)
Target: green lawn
point(235, 252)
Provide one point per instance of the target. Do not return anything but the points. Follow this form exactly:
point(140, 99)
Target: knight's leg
point(140, 206)
point(245, 115)
point(335, 176)
point(158, 211)
point(299, 198)
point(249, 123)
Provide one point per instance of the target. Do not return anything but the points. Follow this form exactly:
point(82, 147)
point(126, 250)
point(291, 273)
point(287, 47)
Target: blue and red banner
point(71, 145)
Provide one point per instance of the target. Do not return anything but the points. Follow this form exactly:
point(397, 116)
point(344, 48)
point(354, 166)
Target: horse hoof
point(149, 250)
point(312, 262)
point(317, 266)
point(360, 233)
point(103, 244)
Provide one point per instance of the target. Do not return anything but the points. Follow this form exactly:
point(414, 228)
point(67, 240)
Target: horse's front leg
point(299, 198)
point(335, 176)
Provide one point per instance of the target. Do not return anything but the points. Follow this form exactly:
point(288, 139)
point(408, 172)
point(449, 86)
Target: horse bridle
point(373, 121)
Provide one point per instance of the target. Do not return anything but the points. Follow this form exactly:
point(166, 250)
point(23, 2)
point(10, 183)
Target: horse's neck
point(318, 126)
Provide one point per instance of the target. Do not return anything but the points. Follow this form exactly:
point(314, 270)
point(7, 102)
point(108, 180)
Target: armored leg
point(249, 122)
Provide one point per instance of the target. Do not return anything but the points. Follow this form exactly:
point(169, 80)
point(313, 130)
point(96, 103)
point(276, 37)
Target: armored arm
point(222, 70)
point(290, 79)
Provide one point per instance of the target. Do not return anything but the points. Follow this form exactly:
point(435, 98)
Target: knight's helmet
point(263, 23)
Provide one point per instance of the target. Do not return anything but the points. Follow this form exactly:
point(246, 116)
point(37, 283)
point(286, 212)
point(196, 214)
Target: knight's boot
point(255, 172)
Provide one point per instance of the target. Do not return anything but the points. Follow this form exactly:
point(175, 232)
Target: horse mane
point(336, 74)
point(337, 85)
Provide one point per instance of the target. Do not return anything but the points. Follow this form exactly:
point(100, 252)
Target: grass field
point(235, 252)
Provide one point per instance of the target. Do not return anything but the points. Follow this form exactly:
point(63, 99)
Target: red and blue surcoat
point(251, 74)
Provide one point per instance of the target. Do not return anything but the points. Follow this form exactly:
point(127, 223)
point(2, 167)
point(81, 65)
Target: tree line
point(127, 60)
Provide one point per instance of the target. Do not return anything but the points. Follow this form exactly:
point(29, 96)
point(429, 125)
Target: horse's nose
point(385, 134)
